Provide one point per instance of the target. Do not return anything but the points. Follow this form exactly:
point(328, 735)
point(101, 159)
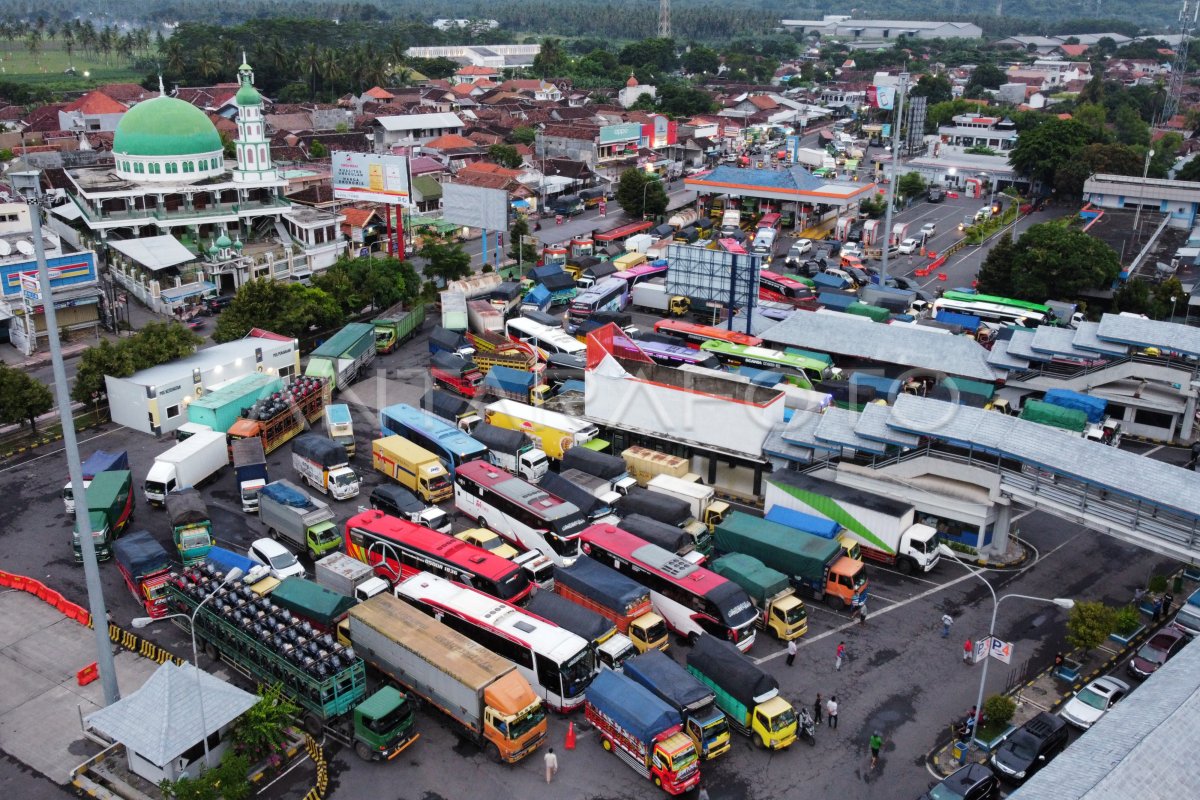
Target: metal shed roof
point(1059, 342)
point(1086, 338)
point(837, 426)
point(1140, 332)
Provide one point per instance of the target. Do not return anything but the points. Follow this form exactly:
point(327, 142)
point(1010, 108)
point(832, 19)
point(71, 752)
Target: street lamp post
point(141, 622)
point(1061, 602)
point(1173, 299)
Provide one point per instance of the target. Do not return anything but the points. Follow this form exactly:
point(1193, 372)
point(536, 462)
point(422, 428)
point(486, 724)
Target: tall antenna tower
point(1187, 23)
point(664, 19)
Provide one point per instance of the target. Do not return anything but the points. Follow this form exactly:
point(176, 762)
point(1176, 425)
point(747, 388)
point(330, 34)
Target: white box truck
point(348, 576)
point(189, 463)
point(324, 465)
point(702, 499)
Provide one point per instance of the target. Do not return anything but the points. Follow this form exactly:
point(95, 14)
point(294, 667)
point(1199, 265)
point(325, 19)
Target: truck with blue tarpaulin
point(93, 465)
point(696, 703)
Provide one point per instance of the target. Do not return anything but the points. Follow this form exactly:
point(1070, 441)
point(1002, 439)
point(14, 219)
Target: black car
point(935, 195)
point(972, 782)
point(1030, 747)
point(396, 501)
point(215, 305)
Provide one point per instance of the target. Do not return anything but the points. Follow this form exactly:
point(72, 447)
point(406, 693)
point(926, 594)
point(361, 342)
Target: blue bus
point(432, 433)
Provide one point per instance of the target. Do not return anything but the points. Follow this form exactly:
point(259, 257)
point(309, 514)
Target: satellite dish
point(5, 248)
point(24, 248)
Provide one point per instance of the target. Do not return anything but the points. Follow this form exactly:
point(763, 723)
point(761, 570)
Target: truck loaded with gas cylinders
point(512, 450)
point(413, 467)
point(478, 690)
point(323, 463)
point(278, 418)
point(145, 565)
point(109, 511)
point(93, 465)
point(348, 576)
point(397, 327)
point(455, 373)
point(611, 647)
point(189, 463)
point(886, 529)
point(272, 646)
point(696, 703)
point(609, 467)
point(749, 696)
point(810, 562)
point(218, 409)
point(341, 359)
point(643, 731)
point(770, 591)
point(615, 597)
point(303, 522)
point(191, 526)
point(339, 426)
point(249, 471)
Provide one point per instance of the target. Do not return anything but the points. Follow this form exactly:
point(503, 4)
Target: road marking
point(1023, 514)
point(283, 774)
point(877, 568)
point(1151, 452)
point(79, 442)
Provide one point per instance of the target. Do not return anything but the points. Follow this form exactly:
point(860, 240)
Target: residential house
point(454, 150)
point(473, 72)
point(633, 90)
point(392, 133)
point(537, 89)
point(95, 111)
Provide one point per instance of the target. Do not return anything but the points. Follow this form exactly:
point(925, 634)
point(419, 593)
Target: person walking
point(876, 743)
point(831, 711)
point(861, 612)
point(818, 709)
point(791, 650)
point(841, 653)
point(1168, 599)
point(968, 651)
point(551, 764)
point(947, 621)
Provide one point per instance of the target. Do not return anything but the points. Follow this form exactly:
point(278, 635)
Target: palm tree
point(333, 67)
point(87, 36)
point(33, 42)
point(208, 62)
point(172, 55)
point(125, 46)
point(106, 41)
point(310, 62)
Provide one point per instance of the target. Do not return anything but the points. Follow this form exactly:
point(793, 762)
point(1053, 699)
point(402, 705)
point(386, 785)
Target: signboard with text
point(623, 132)
point(366, 176)
point(19, 278)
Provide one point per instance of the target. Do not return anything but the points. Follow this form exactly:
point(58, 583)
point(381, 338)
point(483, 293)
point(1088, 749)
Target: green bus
point(800, 370)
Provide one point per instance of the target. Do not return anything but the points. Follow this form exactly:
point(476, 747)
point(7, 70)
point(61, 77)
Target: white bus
point(546, 340)
point(994, 310)
point(519, 511)
point(557, 663)
point(609, 294)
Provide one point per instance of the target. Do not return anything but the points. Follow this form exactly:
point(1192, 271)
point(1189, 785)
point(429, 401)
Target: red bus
point(771, 220)
point(782, 289)
point(399, 549)
point(692, 599)
point(694, 335)
point(620, 233)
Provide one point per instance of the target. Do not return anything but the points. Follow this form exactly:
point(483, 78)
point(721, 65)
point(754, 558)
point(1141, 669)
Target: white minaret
point(253, 150)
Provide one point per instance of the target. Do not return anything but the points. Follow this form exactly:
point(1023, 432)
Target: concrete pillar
point(1002, 527)
point(1189, 417)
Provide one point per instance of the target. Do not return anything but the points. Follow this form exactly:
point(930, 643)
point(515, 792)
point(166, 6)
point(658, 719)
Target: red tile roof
point(491, 169)
point(126, 93)
point(357, 217)
point(96, 103)
point(472, 69)
point(448, 142)
point(1073, 50)
point(378, 93)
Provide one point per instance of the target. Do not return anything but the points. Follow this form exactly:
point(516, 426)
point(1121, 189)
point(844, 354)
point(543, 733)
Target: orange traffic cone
point(570, 744)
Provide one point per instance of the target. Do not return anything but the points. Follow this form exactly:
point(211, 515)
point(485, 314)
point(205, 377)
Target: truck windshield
point(783, 720)
point(656, 632)
point(795, 614)
point(156, 488)
point(194, 539)
point(715, 728)
point(683, 759)
point(860, 579)
point(346, 479)
point(393, 720)
point(524, 723)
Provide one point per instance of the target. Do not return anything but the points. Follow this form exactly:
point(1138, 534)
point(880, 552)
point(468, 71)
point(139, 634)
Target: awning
point(180, 293)
point(68, 211)
point(154, 252)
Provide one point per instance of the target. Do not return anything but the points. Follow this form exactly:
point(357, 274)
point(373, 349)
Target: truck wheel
point(312, 724)
point(759, 743)
point(312, 556)
point(362, 751)
point(835, 601)
point(657, 782)
point(273, 534)
point(481, 522)
point(606, 744)
point(905, 566)
point(493, 753)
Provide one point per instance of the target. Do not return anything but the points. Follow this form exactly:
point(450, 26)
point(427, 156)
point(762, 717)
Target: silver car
point(1093, 701)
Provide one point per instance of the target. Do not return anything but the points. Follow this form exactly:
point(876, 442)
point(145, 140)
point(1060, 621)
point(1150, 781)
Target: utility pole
point(891, 193)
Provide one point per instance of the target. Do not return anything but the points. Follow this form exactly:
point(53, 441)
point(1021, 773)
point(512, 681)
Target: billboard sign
point(730, 279)
point(623, 132)
point(475, 206)
point(367, 176)
point(21, 278)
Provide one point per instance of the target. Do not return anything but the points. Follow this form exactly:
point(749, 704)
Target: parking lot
point(902, 678)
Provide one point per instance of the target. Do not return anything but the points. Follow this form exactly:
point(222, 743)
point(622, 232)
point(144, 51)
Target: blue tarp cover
point(656, 668)
point(825, 528)
point(631, 705)
point(602, 584)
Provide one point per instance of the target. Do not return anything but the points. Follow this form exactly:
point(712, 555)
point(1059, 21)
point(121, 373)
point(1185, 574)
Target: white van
point(731, 221)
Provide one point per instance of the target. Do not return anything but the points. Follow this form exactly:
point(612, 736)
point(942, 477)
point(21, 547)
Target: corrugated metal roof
point(840, 334)
point(836, 427)
point(802, 430)
point(1059, 342)
point(775, 445)
point(998, 357)
point(1086, 338)
point(872, 424)
point(1140, 332)
point(1021, 346)
point(203, 360)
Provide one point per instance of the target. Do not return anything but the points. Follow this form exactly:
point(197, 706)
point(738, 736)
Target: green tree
point(1166, 149)
point(1094, 117)
point(655, 55)
point(1190, 171)
point(1051, 262)
point(105, 358)
point(523, 134)
point(22, 398)
point(518, 250)
point(1093, 92)
point(995, 275)
point(1130, 127)
point(934, 87)
point(261, 731)
point(551, 61)
point(447, 262)
point(159, 342)
point(701, 60)
point(1135, 297)
point(985, 76)
point(505, 155)
point(683, 100)
point(1089, 624)
point(644, 102)
point(317, 150)
point(639, 195)
point(911, 184)
point(1039, 152)
point(291, 309)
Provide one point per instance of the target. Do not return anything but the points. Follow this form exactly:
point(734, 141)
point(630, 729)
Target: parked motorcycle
point(808, 728)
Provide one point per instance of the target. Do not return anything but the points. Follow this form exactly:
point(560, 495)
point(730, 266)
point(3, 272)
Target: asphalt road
point(902, 678)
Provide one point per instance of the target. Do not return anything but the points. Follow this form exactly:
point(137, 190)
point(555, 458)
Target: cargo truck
point(596, 487)
point(395, 329)
point(886, 529)
point(327, 681)
point(413, 467)
point(512, 450)
point(451, 408)
point(249, 471)
point(276, 419)
point(770, 591)
point(456, 374)
point(348, 576)
point(323, 464)
point(749, 696)
point(93, 465)
point(1100, 427)
point(701, 499)
point(303, 522)
point(478, 690)
point(493, 349)
point(557, 433)
point(644, 464)
point(219, 409)
point(324, 608)
point(341, 359)
point(454, 310)
point(810, 562)
point(145, 565)
point(615, 597)
point(592, 508)
point(189, 463)
point(611, 647)
point(256, 576)
point(483, 316)
point(644, 732)
point(668, 537)
point(695, 702)
point(817, 526)
point(609, 467)
point(398, 501)
point(653, 296)
point(191, 527)
point(339, 426)
point(522, 386)
point(668, 510)
point(447, 341)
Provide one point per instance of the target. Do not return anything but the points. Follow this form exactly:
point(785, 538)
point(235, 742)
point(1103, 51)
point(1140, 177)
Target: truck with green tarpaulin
point(397, 327)
point(220, 408)
point(342, 358)
point(109, 510)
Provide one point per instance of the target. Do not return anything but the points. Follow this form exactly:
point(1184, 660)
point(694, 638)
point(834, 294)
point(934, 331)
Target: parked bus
point(558, 664)
point(399, 549)
point(618, 234)
point(674, 355)
point(694, 335)
point(996, 310)
point(692, 599)
point(782, 289)
point(609, 294)
point(642, 272)
point(433, 433)
point(769, 221)
point(809, 369)
point(519, 511)
point(764, 245)
point(545, 340)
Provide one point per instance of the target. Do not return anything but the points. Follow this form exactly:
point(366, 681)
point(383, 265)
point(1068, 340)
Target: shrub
point(999, 709)
point(1126, 620)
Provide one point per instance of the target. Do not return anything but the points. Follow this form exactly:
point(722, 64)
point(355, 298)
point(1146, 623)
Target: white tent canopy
point(154, 252)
